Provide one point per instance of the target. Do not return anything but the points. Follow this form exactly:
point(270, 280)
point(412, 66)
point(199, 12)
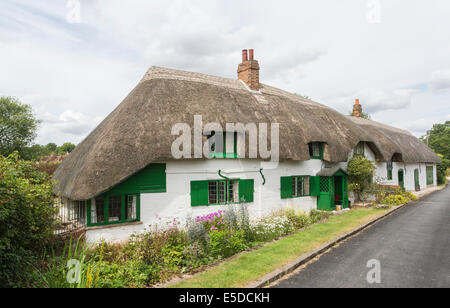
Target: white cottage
point(133, 171)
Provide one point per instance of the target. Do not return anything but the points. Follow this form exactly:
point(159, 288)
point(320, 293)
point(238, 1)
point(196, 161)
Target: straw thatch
point(393, 141)
point(138, 131)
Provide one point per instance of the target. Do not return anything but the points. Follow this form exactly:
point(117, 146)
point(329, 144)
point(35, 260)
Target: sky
point(74, 61)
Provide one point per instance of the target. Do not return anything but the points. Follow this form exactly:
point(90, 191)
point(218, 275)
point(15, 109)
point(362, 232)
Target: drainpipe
point(222, 176)
point(262, 175)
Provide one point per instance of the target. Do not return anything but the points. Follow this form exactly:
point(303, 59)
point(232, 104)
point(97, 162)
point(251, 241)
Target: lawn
point(252, 265)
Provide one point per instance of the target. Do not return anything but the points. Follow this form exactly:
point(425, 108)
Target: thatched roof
point(393, 140)
point(138, 131)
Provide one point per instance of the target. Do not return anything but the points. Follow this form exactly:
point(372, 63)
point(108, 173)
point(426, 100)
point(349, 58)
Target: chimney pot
point(244, 55)
point(248, 71)
point(251, 54)
point(357, 109)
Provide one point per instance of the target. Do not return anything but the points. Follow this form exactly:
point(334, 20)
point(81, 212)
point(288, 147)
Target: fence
point(70, 216)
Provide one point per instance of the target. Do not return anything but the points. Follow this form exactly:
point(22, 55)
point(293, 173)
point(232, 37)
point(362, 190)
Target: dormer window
point(225, 148)
point(316, 150)
point(359, 149)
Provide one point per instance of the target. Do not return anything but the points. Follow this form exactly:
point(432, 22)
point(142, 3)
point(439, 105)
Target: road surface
point(412, 246)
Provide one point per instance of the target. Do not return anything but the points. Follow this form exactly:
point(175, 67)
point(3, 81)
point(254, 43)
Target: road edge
point(303, 259)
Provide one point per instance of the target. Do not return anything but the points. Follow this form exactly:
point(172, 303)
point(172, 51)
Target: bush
point(26, 219)
point(317, 216)
point(401, 197)
point(360, 171)
point(224, 244)
point(298, 221)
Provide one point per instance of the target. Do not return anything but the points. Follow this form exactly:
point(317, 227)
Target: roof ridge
point(379, 124)
point(158, 72)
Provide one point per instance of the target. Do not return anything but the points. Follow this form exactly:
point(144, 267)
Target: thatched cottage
point(124, 175)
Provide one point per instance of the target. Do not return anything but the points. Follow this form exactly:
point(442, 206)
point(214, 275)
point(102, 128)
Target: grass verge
point(250, 266)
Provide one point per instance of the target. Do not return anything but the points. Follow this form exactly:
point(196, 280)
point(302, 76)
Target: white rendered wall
point(176, 202)
point(160, 208)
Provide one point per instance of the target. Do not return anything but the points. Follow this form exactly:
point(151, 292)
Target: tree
point(360, 174)
point(18, 125)
point(36, 151)
point(438, 139)
point(65, 148)
point(51, 148)
point(27, 218)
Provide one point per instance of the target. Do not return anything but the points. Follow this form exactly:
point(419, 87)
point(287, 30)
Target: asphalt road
point(412, 246)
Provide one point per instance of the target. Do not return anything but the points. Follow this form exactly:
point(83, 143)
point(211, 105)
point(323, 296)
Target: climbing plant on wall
point(360, 174)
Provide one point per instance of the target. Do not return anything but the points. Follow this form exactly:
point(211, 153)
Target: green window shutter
point(199, 193)
point(314, 182)
point(246, 190)
point(286, 187)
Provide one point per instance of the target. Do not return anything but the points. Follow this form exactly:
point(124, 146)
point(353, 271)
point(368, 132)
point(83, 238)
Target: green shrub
point(26, 219)
point(401, 197)
point(316, 216)
point(298, 220)
point(223, 243)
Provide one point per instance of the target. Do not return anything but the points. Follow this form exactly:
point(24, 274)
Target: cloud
point(440, 81)
point(73, 74)
point(376, 100)
point(69, 125)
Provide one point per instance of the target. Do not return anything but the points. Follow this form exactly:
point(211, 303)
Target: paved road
point(412, 245)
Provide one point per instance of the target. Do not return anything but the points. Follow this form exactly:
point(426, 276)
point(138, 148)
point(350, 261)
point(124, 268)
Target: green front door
point(416, 180)
point(340, 193)
point(325, 200)
point(430, 175)
point(401, 179)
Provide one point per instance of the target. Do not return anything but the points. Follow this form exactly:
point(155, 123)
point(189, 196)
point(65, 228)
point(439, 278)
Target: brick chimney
point(248, 70)
point(357, 109)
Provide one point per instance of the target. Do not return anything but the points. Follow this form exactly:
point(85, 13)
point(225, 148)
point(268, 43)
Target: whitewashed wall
point(176, 202)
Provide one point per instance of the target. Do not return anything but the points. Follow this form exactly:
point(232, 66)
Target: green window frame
point(225, 153)
point(389, 166)
point(316, 150)
point(113, 208)
point(221, 192)
point(122, 203)
point(298, 186)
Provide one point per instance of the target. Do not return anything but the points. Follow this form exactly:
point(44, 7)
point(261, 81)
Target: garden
point(167, 250)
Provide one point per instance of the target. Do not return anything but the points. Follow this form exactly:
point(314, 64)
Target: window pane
point(233, 191)
point(98, 211)
point(130, 212)
point(294, 186)
point(300, 186)
point(115, 208)
point(306, 189)
point(316, 150)
point(212, 192)
point(222, 192)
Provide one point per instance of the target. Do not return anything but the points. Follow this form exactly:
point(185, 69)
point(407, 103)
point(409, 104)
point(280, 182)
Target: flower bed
point(161, 253)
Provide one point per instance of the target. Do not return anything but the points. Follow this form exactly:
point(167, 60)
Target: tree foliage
point(360, 174)
point(18, 125)
point(36, 151)
point(438, 139)
point(26, 218)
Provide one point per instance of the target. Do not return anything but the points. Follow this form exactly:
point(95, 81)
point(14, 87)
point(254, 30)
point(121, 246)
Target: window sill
point(297, 197)
point(115, 225)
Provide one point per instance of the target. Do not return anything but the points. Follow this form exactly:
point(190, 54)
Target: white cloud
point(440, 81)
point(69, 125)
point(73, 74)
